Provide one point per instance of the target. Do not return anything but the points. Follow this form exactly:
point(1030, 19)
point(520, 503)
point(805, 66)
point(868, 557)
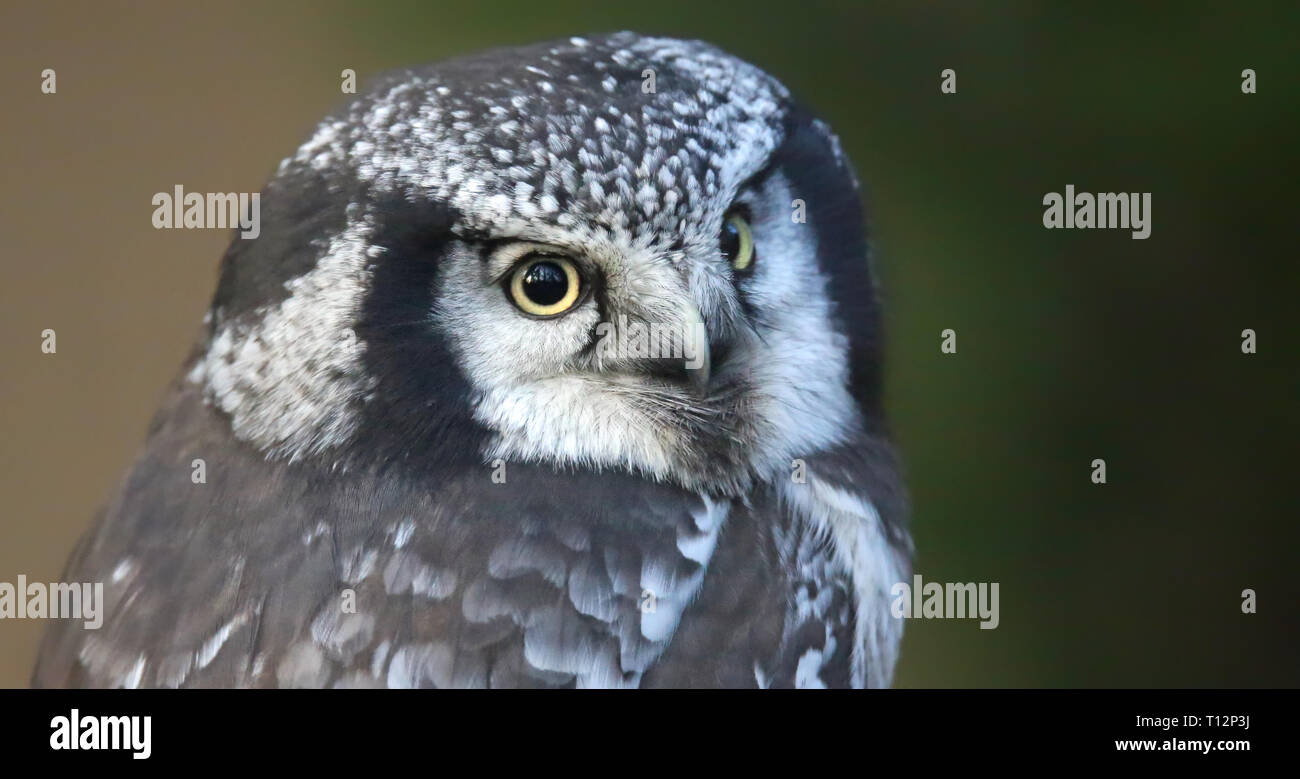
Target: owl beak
point(696, 348)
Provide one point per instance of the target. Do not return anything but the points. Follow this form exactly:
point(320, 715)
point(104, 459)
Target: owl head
point(619, 252)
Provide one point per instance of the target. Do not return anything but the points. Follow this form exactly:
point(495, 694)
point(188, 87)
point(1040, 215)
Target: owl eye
point(737, 242)
point(545, 286)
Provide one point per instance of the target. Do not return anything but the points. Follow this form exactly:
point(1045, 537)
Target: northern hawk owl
point(424, 464)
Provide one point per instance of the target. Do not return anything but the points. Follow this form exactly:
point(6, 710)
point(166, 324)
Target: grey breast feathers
point(274, 574)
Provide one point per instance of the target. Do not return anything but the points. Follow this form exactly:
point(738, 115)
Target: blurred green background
point(1072, 345)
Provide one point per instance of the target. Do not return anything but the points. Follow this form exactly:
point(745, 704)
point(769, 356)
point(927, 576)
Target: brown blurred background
point(1072, 344)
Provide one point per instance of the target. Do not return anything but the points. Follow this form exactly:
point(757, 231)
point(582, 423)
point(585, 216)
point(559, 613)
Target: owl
point(425, 441)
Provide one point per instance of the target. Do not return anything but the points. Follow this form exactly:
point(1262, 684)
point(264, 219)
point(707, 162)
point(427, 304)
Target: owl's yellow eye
point(737, 242)
point(545, 286)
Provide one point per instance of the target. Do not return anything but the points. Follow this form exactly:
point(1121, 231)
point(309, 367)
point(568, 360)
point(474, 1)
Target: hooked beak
point(696, 347)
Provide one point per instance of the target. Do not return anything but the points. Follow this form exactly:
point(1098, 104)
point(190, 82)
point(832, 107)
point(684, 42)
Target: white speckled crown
point(569, 136)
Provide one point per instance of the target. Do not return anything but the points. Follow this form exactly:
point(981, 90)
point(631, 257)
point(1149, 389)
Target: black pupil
point(545, 283)
point(730, 240)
